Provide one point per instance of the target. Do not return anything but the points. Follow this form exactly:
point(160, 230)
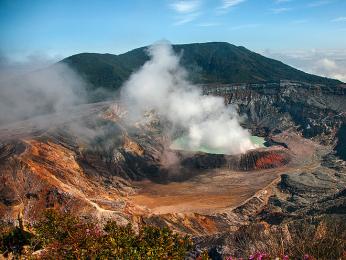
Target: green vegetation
point(13, 240)
point(62, 236)
point(213, 62)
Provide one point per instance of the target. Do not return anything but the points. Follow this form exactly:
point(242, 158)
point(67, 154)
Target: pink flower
point(262, 256)
point(258, 256)
point(306, 257)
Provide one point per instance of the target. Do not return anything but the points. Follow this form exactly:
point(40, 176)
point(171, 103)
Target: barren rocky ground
point(92, 163)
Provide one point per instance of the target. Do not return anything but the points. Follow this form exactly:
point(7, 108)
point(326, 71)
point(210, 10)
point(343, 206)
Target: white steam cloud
point(26, 91)
point(161, 84)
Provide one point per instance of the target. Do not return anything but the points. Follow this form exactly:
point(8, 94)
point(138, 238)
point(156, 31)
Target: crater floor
point(205, 194)
point(220, 189)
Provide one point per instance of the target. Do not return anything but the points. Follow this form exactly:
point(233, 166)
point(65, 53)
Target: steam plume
point(161, 84)
point(26, 91)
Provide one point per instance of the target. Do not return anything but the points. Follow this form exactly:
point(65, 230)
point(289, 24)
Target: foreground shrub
point(149, 243)
point(65, 237)
point(62, 236)
point(13, 240)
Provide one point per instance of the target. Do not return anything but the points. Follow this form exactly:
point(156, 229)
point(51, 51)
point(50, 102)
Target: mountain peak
point(210, 62)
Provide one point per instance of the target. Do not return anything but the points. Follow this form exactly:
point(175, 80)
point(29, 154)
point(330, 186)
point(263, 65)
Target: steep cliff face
point(316, 111)
point(314, 183)
point(265, 158)
point(341, 141)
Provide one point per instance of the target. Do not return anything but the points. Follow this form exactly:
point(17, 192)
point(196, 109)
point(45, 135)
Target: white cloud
point(187, 11)
point(185, 7)
point(186, 18)
point(319, 3)
point(280, 10)
point(326, 63)
point(231, 3)
point(208, 24)
point(340, 19)
point(282, 1)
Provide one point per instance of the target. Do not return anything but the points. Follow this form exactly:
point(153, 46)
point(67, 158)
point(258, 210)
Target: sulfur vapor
point(162, 84)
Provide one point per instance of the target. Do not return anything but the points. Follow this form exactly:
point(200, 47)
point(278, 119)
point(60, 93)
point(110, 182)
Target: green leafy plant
point(67, 237)
point(13, 240)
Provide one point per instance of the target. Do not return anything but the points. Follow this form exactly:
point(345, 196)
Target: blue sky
point(65, 27)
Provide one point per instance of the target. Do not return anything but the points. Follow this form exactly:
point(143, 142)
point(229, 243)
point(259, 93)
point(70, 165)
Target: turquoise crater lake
point(182, 143)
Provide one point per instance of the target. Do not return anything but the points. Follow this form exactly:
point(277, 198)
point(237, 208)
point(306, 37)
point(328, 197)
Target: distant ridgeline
point(207, 63)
